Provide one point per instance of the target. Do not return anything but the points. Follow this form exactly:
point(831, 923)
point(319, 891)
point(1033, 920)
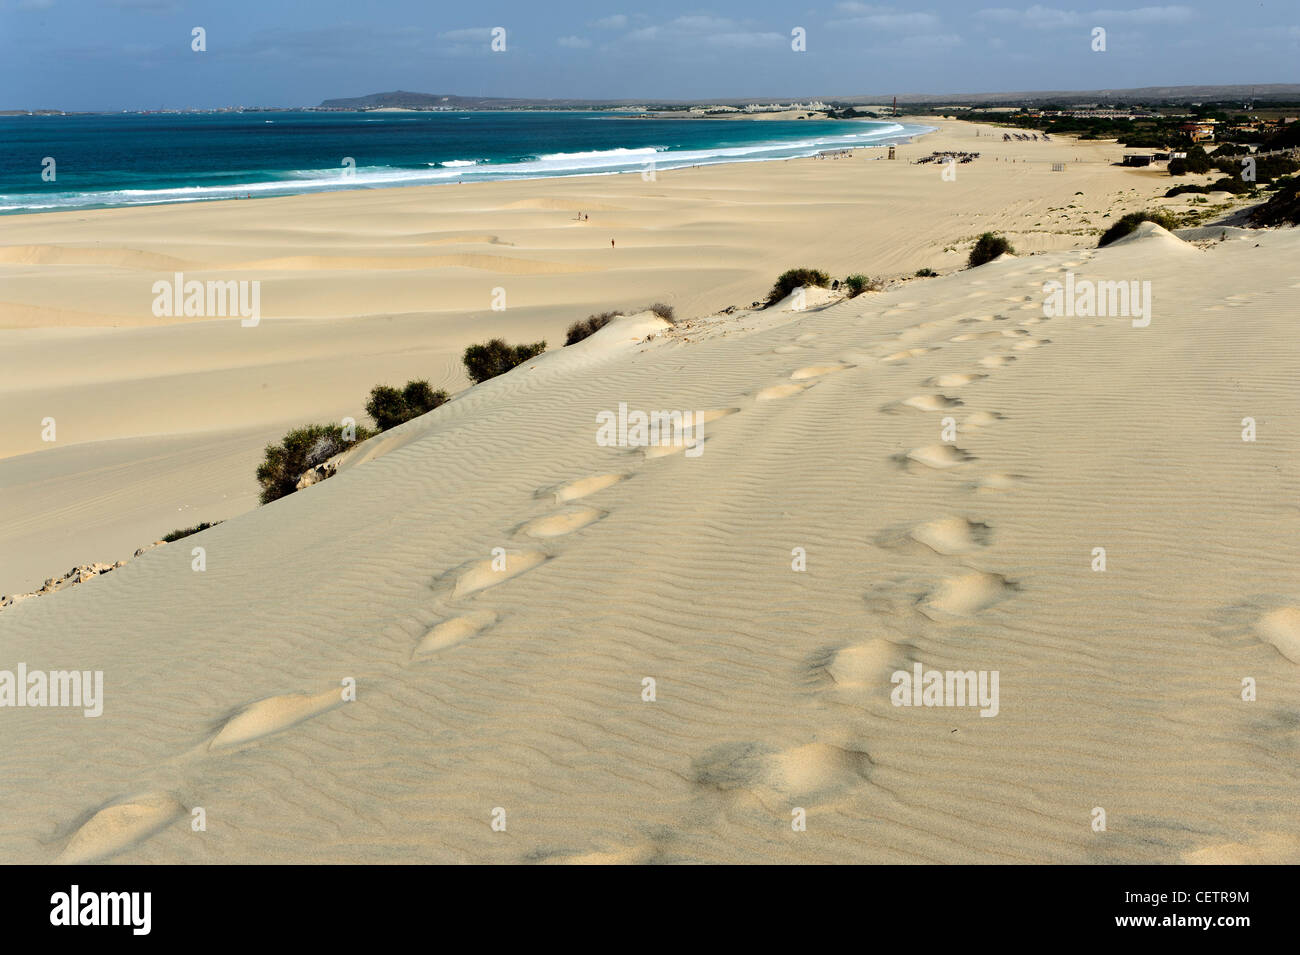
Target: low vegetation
point(1128, 223)
point(987, 248)
point(663, 311)
point(301, 450)
point(178, 534)
point(588, 327)
point(858, 283)
point(792, 279)
point(494, 358)
point(926, 273)
point(1282, 208)
point(391, 406)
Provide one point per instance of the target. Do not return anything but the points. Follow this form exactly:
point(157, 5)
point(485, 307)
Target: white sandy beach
point(160, 422)
point(522, 690)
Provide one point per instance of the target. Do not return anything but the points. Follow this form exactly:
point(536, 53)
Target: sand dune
point(661, 684)
point(379, 286)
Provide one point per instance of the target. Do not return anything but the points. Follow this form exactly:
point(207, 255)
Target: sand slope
point(520, 688)
point(379, 286)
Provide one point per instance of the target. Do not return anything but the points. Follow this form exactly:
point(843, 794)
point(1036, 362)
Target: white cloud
point(885, 19)
point(852, 6)
point(1171, 14)
point(618, 21)
point(1050, 18)
point(706, 30)
point(894, 22)
point(574, 42)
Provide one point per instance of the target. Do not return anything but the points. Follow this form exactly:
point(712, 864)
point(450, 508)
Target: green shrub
point(1197, 161)
point(588, 326)
point(1128, 223)
point(856, 284)
point(301, 450)
point(496, 358)
point(1233, 184)
point(926, 273)
point(1271, 167)
point(1180, 190)
point(663, 311)
point(987, 248)
point(177, 535)
point(792, 279)
point(1282, 208)
point(390, 407)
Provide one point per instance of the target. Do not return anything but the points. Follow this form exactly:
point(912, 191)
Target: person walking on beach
point(611, 243)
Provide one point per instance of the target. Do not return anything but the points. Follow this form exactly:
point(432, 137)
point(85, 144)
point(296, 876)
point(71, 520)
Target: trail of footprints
point(129, 821)
point(729, 774)
point(815, 769)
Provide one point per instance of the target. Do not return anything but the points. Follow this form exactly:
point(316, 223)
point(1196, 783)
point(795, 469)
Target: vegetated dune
point(162, 418)
point(380, 667)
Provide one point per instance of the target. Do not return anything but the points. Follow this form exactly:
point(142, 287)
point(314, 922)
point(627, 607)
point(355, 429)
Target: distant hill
point(1264, 92)
point(401, 99)
point(1261, 93)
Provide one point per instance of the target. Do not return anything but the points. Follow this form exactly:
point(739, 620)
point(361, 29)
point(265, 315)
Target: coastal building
point(1201, 130)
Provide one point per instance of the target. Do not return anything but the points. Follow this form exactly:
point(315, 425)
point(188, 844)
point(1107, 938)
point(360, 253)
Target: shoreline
point(166, 417)
point(283, 188)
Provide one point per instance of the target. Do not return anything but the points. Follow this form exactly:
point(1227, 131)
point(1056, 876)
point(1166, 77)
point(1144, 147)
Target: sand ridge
point(498, 669)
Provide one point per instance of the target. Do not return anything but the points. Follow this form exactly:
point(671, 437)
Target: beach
point(160, 421)
point(940, 573)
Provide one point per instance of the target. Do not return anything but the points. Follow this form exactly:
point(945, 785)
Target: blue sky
point(131, 54)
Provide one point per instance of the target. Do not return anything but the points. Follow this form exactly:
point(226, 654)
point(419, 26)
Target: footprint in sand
point(682, 438)
point(787, 349)
point(926, 403)
point(581, 487)
point(955, 380)
point(938, 456)
point(997, 482)
point(809, 770)
point(557, 525)
point(1031, 343)
point(1270, 848)
point(1281, 628)
point(816, 371)
point(907, 353)
point(975, 336)
point(951, 535)
point(633, 855)
point(273, 715)
point(482, 574)
point(979, 420)
point(120, 826)
point(967, 594)
point(867, 665)
point(996, 361)
point(454, 631)
point(781, 391)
